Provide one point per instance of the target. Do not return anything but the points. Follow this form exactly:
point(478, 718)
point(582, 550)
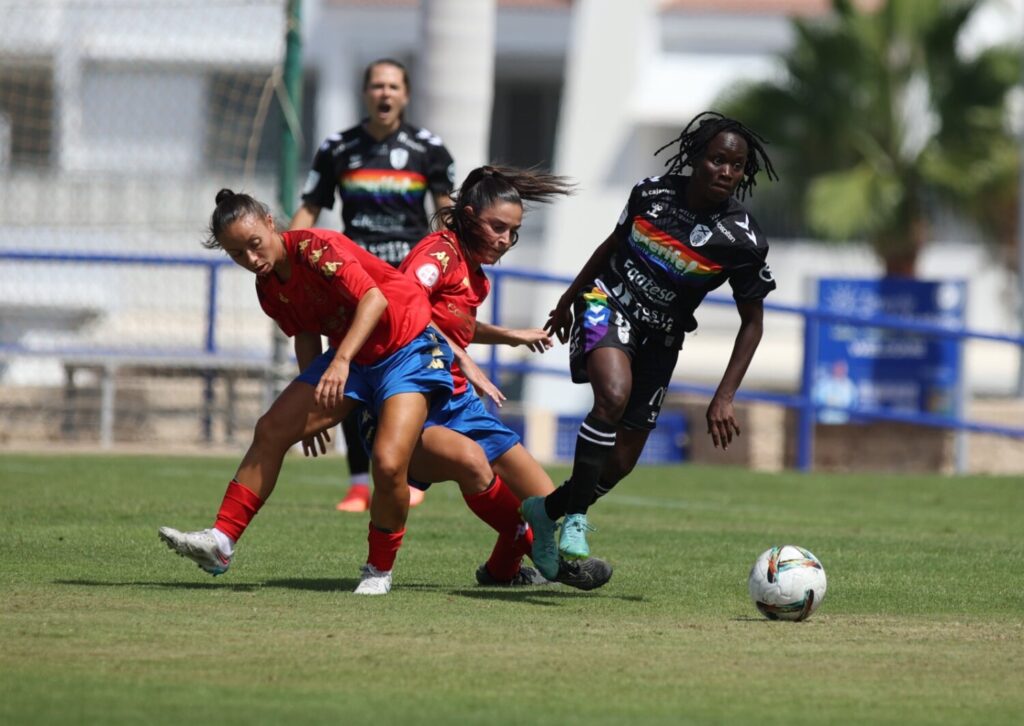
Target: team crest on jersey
point(700, 235)
point(427, 274)
point(399, 158)
point(443, 258)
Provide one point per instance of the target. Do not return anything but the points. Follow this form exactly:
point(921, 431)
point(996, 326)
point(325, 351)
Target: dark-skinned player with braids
point(680, 236)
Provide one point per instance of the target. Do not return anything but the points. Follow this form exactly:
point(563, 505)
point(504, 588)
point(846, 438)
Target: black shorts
point(597, 325)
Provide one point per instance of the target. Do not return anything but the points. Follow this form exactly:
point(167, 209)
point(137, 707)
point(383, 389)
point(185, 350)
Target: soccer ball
point(787, 583)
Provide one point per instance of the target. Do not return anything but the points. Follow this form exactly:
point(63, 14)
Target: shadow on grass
point(536, 595)
point(314, 584)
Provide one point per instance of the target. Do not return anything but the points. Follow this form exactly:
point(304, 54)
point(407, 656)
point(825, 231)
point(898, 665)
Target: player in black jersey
point(679, 237)
point(382, 169)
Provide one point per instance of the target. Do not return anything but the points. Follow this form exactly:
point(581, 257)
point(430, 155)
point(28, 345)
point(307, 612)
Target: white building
point(120, 118)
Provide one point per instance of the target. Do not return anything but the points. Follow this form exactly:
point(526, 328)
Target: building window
point(26, 115)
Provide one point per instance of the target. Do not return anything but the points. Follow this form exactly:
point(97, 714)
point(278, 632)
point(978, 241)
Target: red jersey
point(438, 264)
point(330, 274)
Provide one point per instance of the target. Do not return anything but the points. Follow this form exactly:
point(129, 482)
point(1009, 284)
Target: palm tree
point(878, 116)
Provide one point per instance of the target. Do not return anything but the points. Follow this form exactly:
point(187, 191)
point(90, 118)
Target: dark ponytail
point(230, 208)
point(485, 186)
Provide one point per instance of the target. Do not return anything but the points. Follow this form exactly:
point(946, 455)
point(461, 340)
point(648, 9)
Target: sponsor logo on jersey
point(725, 231)
point(355, 161)
point(382, 183)
point(654, 192)
point(399, 158)
point(654, 210)
point(428, 274)
point(700, 235)
point(662, 249)
point(378, 222)
point(765, 273)
point(646, 285)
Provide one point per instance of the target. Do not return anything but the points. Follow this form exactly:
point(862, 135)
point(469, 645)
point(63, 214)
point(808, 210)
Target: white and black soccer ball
point(787, 583)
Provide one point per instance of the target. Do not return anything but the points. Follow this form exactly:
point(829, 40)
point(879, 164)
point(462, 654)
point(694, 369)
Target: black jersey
point(668, 258)
point(382, 185)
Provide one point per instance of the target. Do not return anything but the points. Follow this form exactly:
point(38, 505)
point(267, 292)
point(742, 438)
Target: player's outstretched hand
point(535, 339)
point(480, 382)
point(317, 440)
point(722, 424)
point(560, 320)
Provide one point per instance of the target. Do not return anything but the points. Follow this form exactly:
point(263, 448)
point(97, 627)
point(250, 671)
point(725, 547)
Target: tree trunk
point(899, 251)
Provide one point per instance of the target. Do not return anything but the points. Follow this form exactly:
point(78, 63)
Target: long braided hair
point(693, 142)
point(485, 186)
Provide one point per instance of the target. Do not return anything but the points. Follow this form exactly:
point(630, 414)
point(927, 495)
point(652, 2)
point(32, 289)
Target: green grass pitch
point(100, 623)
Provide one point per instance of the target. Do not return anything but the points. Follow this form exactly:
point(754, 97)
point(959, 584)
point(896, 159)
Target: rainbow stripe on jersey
point(382, 183)
point(665, 251)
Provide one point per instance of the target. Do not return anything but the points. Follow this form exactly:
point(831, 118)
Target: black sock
point(603, 488)
point(594, 444)
point(557, 502)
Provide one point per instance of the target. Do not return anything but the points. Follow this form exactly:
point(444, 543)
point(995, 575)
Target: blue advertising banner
point(865, 369)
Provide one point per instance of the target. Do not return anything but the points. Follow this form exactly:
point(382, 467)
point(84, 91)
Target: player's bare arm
point(721, 419)
point(560, 319)
point(331, 388)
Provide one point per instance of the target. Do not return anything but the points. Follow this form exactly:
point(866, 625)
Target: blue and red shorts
point(421, 366)
point(464, 414)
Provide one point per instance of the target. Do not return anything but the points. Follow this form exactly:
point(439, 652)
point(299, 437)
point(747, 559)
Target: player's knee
point(475, 478)
point(270, 432)
point(388, 468)
point(610, 399)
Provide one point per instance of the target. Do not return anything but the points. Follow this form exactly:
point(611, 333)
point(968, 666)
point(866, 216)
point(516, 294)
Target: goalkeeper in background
point(382, 169)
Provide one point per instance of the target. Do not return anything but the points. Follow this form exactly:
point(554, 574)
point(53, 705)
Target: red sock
point(499, 507)
point(383, 548)
point(239, 506)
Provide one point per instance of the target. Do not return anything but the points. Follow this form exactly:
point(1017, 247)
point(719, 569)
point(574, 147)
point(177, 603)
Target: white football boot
point(201, 547)
point(373, 581)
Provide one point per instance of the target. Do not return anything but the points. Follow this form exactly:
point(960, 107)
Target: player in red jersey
point(382, 169)
point(382, 355)
point(496, 471)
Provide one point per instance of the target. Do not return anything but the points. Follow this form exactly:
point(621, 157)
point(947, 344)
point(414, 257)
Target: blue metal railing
point(802, 401)
point(213, 264)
